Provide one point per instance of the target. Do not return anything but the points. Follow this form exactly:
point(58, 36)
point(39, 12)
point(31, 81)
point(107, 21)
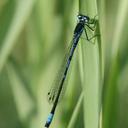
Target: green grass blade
point(23, 10)
point(23, 101)
point(111, 97)
point(91, 71)
point(75, 112)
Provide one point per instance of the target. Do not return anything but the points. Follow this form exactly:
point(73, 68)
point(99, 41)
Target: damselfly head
point(83, 18)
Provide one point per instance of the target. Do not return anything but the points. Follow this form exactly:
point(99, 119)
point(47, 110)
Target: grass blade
point(91, 71)
point(23, 10)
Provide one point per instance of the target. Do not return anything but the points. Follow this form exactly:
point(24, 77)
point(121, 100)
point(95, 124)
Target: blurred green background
point(34, 37)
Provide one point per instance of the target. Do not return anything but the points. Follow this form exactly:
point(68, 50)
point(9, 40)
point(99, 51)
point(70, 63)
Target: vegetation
point(34, 36)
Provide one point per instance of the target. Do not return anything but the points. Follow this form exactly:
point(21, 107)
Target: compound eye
point(80, 17)
point(86, 20)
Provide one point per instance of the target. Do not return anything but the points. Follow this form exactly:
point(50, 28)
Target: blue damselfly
point(84, 23)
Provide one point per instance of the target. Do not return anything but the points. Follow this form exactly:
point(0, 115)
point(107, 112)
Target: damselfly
point(84, 23)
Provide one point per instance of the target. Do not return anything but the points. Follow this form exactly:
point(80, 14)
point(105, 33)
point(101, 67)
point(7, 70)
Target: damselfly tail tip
point(49, 120)
point(46, 125)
